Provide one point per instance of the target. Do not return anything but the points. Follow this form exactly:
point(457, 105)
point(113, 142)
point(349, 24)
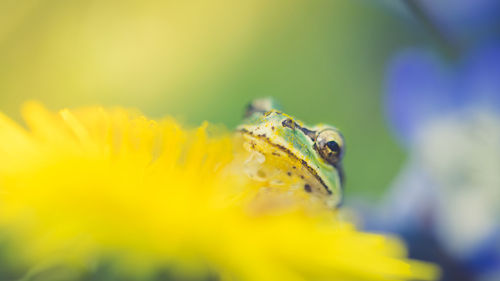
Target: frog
point(288, 153)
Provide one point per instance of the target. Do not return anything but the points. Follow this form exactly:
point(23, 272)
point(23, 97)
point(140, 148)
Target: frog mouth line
point(304, 163)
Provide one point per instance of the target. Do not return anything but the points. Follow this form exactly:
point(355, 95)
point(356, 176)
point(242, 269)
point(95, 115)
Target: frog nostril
point(288, 123)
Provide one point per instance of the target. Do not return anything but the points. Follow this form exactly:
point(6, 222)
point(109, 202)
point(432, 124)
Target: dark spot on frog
point(307, 188)
point(289, 174)
point(272, 128)
point(301, 176)
point(253, 145)
point(276, 153)
point(294, 167)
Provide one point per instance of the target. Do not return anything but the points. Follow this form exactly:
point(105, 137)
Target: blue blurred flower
point(447, 114)
point(462, 21)
point(463, 18)
point(422, 86)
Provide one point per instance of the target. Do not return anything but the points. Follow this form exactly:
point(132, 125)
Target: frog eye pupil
point(333, 146)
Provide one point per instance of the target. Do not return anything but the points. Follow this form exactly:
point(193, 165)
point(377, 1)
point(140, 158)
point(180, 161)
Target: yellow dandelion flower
point(103, 194)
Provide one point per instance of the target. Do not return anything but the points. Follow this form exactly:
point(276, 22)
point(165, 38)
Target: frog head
point(310, 155)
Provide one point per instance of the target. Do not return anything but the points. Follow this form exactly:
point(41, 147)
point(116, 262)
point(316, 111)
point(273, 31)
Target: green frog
point(290, 155)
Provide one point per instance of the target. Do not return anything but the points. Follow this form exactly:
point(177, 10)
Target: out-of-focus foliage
point(204, 60)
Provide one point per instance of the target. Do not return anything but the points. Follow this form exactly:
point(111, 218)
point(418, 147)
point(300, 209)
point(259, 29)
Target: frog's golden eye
point(330, 145)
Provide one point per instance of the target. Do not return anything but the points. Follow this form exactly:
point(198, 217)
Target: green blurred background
point(205, 60)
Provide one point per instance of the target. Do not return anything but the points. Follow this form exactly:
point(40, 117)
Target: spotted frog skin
point(288, 151)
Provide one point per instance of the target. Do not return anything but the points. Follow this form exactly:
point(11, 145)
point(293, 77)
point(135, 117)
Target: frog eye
point(330, 145)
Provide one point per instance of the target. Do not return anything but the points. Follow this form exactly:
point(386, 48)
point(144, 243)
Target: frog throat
point(310, 169)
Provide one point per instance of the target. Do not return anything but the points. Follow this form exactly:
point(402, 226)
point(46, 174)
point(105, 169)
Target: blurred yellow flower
point(89, 188)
